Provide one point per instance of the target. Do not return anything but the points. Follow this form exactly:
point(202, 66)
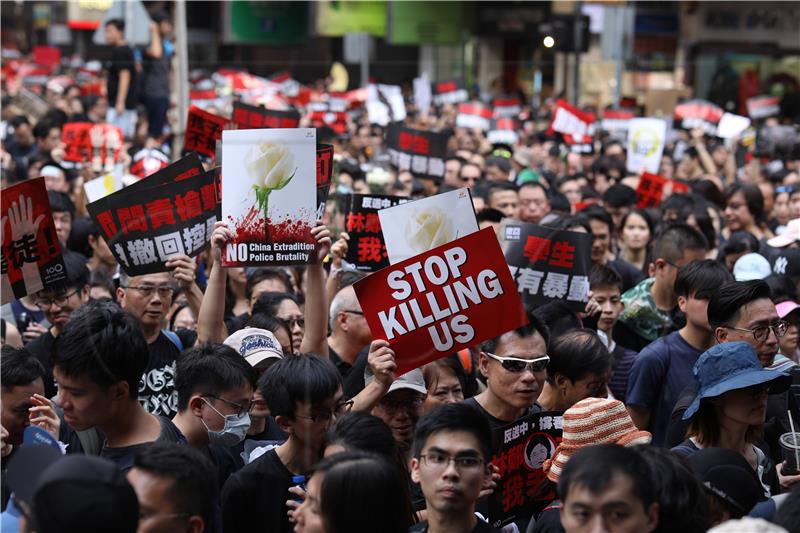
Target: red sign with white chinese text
point(444, 300)
point(203, 130)
point(572, 123)
point(650, 191)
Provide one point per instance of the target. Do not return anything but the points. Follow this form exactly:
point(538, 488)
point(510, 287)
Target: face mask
point(232, 433)
point(344, 189)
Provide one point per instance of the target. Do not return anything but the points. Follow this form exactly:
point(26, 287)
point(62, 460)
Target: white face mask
point(232, 433)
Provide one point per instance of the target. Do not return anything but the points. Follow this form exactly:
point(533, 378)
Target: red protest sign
point(324, 175)
point(47, 56)
point(248, 117)
point(203, 130)
point(763, 106)
point(31, 254)
point(444, 300)
point(572, 123)
point(98, 144)
point(650, 190)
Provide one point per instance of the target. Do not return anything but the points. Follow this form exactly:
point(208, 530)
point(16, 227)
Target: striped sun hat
point(593, 421)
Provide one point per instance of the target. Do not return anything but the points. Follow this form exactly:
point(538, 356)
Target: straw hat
point(593, 421)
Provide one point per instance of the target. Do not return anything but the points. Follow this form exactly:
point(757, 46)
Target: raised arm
point(211, 318)
point(315, 339)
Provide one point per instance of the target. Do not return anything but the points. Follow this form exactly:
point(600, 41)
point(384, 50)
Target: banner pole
point(182, 77)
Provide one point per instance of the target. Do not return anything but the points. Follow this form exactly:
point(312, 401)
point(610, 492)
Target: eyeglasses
point(164, 291)
point(353, 312)
point(439, 461)
point(518, 365)
point(60, 300)
point(292, 321)
point(338, 410)
point(240, 409)
point(760, 333)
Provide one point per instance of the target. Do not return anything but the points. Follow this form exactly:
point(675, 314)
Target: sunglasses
point(518, 365)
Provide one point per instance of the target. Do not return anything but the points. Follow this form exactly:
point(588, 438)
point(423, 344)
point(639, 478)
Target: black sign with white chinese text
point(367, 248)
point(421, 152)
point(324, 174)
point(449, 92)
point(248, 117)
point(548, 264)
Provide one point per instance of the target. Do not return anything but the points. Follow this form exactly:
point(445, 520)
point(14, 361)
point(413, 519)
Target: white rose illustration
point(427, 229)
point(271, 167)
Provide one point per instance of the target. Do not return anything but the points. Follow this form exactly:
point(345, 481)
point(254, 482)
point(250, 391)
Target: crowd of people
point(256, 399)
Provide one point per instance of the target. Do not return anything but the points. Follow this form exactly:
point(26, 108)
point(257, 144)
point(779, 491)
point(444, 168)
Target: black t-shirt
point(254, 498)
point(121, 59)
point(550, 519)
point(341, 365)
point(123, 456)
point(354, 382)
point(496, 423)
point(480, 527)
point(157, 392)
point(42, 348)
point(272, 433)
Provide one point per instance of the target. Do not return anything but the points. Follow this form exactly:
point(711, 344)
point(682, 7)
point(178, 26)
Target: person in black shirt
point(215, 391)
point(98, 360)
point(350, 334)
point(304, 394)
point(452, 449)
point(121, 83)
point(58, 305)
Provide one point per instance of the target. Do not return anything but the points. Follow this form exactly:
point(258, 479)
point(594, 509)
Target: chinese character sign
point(548, 264)
point(415, 227)
point(248, 117)
point(472, 115)
point(653, 189)
point(99, 145)
point(203, 130)
point(572, 123)
point(324, 174)
point(520, 450)
point(421, 152)
point(763, 106)
point(449, 92)
point(31, 258)
point(367, 249)
point(646, 138)
point(698, 114)
point(269, 197)
point(150, 224)
point(442, 301)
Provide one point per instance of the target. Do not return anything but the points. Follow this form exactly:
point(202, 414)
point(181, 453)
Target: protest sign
point(548, 264)
point(104, 185)
point(203, 130)
point(520, 450)
point(503, 131)
point(422, 94)
point(506, 107)
point(31, 253)
point(418, 226)
point(652, 190)
point(148, 161)
point(442, 301)
point(421, 152)
point(147, 225)
point(269, 195)
point(731, 125)
point(572, 123)
point(320, 114)
point(616, 120)
point(698, 114)
point(449, 92)
point(251, 117)
point(474, 116)
point(646, 138)
point(763, 106)
point(182, 169)
point(324, 174)
point(97, 144)
point(30, 103)
point(366, 248)
point(385, 104)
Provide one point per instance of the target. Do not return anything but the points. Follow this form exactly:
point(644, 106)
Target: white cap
point(255, 345)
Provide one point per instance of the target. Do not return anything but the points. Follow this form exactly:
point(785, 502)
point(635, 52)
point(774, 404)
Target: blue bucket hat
point(731, 366)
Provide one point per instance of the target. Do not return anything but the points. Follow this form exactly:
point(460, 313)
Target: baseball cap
point(789, 235)
point(728, 476)
point(750, 267)
point(72, 493)
point(255, 345)
point(413, 380)
point(784, 308)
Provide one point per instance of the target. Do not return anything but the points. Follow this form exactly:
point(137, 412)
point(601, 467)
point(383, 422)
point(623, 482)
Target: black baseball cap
point(72, 493)
point(727, 475)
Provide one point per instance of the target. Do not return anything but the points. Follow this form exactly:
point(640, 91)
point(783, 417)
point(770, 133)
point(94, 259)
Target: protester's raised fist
point(322, 235)
point(381, 362)
point(183, 268)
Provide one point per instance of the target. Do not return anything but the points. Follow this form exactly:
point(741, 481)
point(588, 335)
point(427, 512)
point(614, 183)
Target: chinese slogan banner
point(324, 174)
point(31, 259)
point(503, 131)
point(474, 116)
point(548, 264)
point(698, 113)
point(100, 145)
point(572, 123)
point(203, 130)
point(367, 249)
point(248, 117)
point(520, 450)
point(154, 223)
point(646, 138)
point(506, 107)
point(652, 188)
point(449, 92)
point(421, 152)
point(763, 106)
point(617, 120)
point(442, 301)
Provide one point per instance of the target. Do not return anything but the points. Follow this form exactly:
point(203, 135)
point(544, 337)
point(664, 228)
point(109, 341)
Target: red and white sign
point(763, 106)
point(572, 123)
point(617, 119)
point(444, 300)
point(474, 116)
point(699, 113)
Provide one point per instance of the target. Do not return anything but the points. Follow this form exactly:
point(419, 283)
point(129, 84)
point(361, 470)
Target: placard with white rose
point(269, 195)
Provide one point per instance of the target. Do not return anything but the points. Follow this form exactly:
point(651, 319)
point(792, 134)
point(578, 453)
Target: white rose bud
point(270, 164)
point(428, 229)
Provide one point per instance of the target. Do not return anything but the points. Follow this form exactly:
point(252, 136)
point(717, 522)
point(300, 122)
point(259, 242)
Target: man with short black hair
point(98, 360)
point(121, 84)
point(304, 394)
point(498, 169)
point(452, 168)
point(534, 203)
point(22, 376)
point(619, 200)
point(63, 214)
point(514, 366)
point(469, 175)
point(504, 197)
point(451, 462)
point(607, 488)
point(664, 367)
point(176, 489)
point(602, 227)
